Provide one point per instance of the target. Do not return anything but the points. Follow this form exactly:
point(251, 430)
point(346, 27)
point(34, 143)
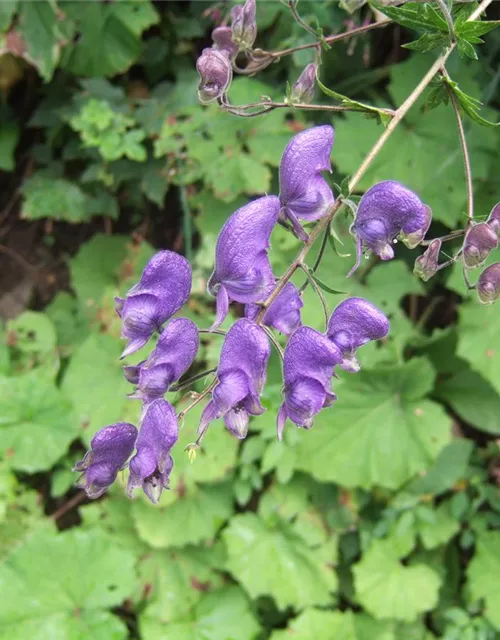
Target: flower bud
point(216, 74)
point(426, 265)
point(244, 25)
point(222, 38)
point(494, 219)
point(303, 89)
point(478, 243)
point(488, 285)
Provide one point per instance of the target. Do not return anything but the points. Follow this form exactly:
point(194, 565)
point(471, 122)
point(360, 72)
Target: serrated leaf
point(33, 338)
point(443, 527)
point(483, 574)
point(476, 27)
point(415, 15)
point(465, 49)
point(428, 42)
point(299, 575)
point(56, 198)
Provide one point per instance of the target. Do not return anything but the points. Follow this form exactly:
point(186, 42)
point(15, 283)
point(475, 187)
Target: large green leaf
point(275, 561)
point(483, 573)
point(46, 196)
point(59, 587)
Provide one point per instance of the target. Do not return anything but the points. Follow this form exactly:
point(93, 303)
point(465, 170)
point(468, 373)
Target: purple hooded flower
point(426, 265)
point(151, 466)
point(307, 370)
point(385, 211)
point(284, 313)
point(479, 241)
point(494, 219)
point(216, 73)
point(174, 353)
point(241, 376)
point(244, 25)
point(222, 38)
point(110, 449)
point(304, 193)
point(163, 289)
point(355, 322)
point(303, 89)
point(242, 270)
point(488, 285)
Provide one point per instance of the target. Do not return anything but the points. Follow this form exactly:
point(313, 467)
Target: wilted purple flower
point(488, 285)
point(174, 353)
point(303, 89)
point(110, 449)
point(216, 73)
point(241, 376)
point(242, 270)
point(244, 25)
point(151, 466)
point(426, 265)
point(304, 193)
point(163, 289)
point(386, 210)
point(494, 219)
point(353, 323)
point(307, 370)
point(284, 313)
point(222, 38)
point(479, 241)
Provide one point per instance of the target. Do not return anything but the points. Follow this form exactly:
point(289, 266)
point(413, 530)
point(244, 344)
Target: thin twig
point(67, 506)
point(218, 332)
point(449, 236)
point(198, 399)
point(447, 16)
point(270, 106)
point(319, 257)
point(189, 381)
point(317, 290)
point(19, 258)
point(298, 19)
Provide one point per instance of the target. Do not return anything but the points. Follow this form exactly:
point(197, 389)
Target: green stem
point(318, 292)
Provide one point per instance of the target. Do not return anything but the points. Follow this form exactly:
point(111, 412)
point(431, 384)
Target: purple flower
point(479, 241)
point(216, 74)
point(303, 89)
point(222, 38)
point(355, 322)
point(488, 285)
point(163, 289)
point(284, 313)
point(385, 211)
point(174, 353)
point(304, 193)
point(494, 219)
point(244, 25)
point(307, 370)
point(110, 449)
point(426, 265)
point(151, 466)
point(241, 376)
point(242, 270)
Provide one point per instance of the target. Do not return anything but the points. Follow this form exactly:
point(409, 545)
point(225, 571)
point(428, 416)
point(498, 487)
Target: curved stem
point(218, 332)
point(197, 400)
point(276, 344)
point(319, 257)
point(448, 236)
point(317, 290)
point(189, 381)
point(447, 16)
point(267, 106)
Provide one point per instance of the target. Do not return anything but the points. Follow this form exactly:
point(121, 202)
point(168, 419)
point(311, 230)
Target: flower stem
point(447, 16)
point(189, 381)
point(276, 344)
point(317, 290)
point(266, 106)
point(448, 236)
point(198, 399)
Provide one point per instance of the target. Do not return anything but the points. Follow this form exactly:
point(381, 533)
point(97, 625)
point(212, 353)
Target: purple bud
point(216, 74)
point(304, 193)
point(303, 89)
point(110, 449)
point(244, 25)
point(355, 322)
point(163, 289)
point(426, 265)
point(284, 313)
point(222, 38)
point(478, 242)
point(488, 285)
point(242, 270)
point(413, 239)
point(386, 210)
point(241, 376)
point(151, 466)
point(174, 353)
point(307, 371)
point(494, 219)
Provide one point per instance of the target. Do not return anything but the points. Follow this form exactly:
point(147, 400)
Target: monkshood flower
point(426, 265)
point(494, 219)
point(241, 375)
point(222, 38)
point(385, 211)
point(151, 466)
point(307, 371)
point(216, 73)
point(304, 193)
point(488, 285)
point(244, 25)
point(242, 270)
point(174, 353)
point(284, 313)
point(353, 323)
point(110, 449)
point(303, 90)
point(163, 289)
point(479, 241)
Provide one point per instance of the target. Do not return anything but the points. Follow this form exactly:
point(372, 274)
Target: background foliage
point(383, 522)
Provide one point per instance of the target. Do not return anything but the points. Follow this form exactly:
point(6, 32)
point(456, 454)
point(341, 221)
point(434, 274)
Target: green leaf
point(36, 423)
point(7, 10)
point(33, 338)
point(428, 42)
point(415, 15)
point(470, 105)
point(483, 574)
point(465, 49)
point(475, 28)
point(388, 589)
point(381, 431)
point(299, 575)
point(9, 137)
point(56, 198)
point(443, 527)
point(69, 580)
